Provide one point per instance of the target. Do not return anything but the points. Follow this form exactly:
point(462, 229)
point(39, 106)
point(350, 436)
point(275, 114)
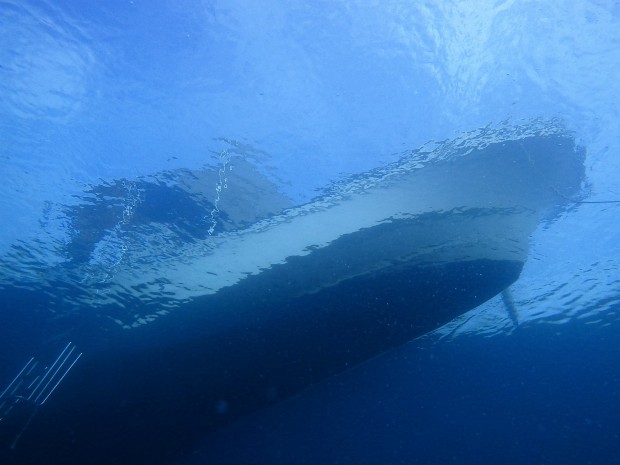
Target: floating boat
point(181, 337)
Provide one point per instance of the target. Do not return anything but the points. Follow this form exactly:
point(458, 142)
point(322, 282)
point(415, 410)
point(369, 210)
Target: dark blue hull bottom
point(149, 403)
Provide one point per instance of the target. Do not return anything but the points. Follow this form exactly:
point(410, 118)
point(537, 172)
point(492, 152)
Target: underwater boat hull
point(180, 347)
point(152, 406)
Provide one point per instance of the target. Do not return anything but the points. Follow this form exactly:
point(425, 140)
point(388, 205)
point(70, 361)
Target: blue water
point(105, 106)
point(538, 396)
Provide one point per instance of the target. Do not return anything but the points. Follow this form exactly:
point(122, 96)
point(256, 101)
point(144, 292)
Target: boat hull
point(181, 343)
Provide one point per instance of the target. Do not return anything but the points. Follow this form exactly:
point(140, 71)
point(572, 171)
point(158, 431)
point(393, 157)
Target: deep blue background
point(542, 395)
